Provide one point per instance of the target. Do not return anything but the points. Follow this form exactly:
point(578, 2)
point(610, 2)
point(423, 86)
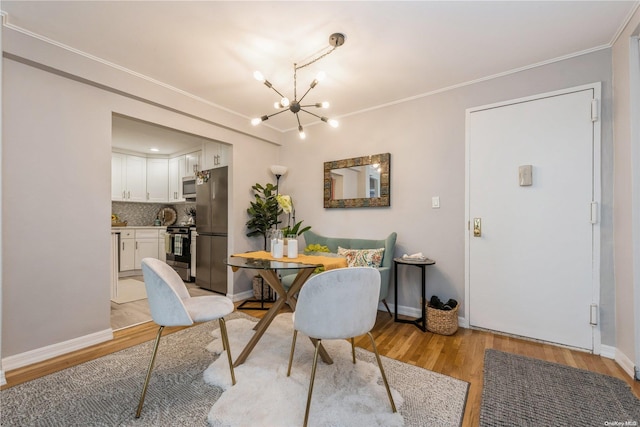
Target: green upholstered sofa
point(388, 243)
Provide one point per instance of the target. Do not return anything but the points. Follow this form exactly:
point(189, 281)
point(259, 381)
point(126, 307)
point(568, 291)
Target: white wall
point(426, 139)
point(627, 192)
point(56, 189)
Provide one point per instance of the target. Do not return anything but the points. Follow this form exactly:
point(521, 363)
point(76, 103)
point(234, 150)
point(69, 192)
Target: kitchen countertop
point(118, 230)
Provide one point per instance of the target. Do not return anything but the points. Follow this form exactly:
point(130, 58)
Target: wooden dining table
point(269, 269)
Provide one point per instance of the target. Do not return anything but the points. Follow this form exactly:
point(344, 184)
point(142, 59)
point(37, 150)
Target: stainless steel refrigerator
point(211, 226)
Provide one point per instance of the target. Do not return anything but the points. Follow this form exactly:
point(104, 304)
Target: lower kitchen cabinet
point(127, 250)
point(137, 244)
point(145, 248)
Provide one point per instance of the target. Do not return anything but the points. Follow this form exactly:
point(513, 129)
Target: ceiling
point(393, 51)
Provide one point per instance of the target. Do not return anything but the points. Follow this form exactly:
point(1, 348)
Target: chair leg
point(313, 376)
point(293, 347)
point(146, 381)
point(225, 344)
point(384, 301)
point(353, 350)
point(384, 377)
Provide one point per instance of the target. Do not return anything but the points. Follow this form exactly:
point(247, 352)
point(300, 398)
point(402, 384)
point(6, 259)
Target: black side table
point(422, 264)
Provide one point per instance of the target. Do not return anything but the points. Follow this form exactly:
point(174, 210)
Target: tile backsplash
point(143, 214)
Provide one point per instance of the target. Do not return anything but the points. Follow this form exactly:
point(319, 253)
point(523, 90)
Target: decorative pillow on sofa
point(362, 257)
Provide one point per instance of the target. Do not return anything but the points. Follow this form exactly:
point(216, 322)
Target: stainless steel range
point(178, 248)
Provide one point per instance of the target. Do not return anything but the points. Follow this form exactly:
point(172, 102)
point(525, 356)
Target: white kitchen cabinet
point(114, 256)
point(118, 176)
point(158, 180)
point(128, 178)
point(177, 167)
point(146, 245)
point(193, 164)
point(214, 155)
point(145, 248)
point(139, 243)
point(127, 250)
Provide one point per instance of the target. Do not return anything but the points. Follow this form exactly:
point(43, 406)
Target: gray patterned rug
point(105, 392)
point(521, 391)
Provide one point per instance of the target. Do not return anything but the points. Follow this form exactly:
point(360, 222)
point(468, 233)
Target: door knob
point(477, 227)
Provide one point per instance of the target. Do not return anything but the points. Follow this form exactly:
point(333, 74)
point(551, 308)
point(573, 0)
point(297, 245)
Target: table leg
point(395, 290)
point(260, 329)
point(424, 301)
point(272, 279)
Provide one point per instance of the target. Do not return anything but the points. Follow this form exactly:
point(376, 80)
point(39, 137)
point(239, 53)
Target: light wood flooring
point(460, 356)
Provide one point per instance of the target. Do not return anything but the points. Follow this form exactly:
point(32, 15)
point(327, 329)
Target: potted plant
point(263, 211)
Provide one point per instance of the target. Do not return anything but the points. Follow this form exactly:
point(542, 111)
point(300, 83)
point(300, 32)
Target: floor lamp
point(278, 171)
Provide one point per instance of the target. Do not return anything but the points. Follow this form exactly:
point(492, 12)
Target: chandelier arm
point(298, 119)
point(305, 94)
point(276, 113)
point(309, 112)
point(310, 105)
point(276, 91)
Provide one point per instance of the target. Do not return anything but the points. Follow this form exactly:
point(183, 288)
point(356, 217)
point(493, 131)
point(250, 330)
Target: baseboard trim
point(608, 351)
point(54, 350)
point(625, 363)
point(241, 296)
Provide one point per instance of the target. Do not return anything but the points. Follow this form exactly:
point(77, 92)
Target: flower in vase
point(286, 204)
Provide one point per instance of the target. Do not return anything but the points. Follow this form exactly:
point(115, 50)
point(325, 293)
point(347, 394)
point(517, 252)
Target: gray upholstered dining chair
point(171, 305)
point(338, 304)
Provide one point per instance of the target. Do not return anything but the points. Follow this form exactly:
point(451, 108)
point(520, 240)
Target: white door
point(533, 270)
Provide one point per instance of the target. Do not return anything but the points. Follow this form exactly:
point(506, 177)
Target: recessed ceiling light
point(155, 150)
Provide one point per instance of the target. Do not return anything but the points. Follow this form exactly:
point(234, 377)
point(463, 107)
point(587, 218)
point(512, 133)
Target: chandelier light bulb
point(258, 76)
point(325, 104)
point(321, 76)
point(277, 105)
point(285, 102)
point(333, 123)
point(256, 121)
point(301, 132)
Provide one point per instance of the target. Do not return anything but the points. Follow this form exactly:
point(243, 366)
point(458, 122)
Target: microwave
point(189, 187)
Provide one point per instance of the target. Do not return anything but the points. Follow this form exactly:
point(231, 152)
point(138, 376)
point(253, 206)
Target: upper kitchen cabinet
point(193, 163)
point(215, 155)
point(128, 178)
point(179, 167)
point(157, 180)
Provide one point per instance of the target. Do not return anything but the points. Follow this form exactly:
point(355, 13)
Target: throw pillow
point(362, 257)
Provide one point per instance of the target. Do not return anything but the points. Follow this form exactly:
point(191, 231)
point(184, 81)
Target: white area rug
point(344, 394)
point(130, 290)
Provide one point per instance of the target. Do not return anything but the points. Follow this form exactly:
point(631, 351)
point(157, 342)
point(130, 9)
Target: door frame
point(596, 197)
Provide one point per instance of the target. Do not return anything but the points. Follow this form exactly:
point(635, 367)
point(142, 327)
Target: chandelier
point(285, 104)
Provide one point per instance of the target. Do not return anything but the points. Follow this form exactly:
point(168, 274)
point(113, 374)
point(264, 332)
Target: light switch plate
point(525, 175)
point(435, 202)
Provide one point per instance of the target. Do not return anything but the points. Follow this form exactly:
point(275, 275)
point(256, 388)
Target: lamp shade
point(278, 170)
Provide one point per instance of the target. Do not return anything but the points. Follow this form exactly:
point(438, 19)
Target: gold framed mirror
point(358, 182)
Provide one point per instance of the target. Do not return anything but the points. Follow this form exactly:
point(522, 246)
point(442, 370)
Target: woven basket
point(259, 288)
point(443, 322)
